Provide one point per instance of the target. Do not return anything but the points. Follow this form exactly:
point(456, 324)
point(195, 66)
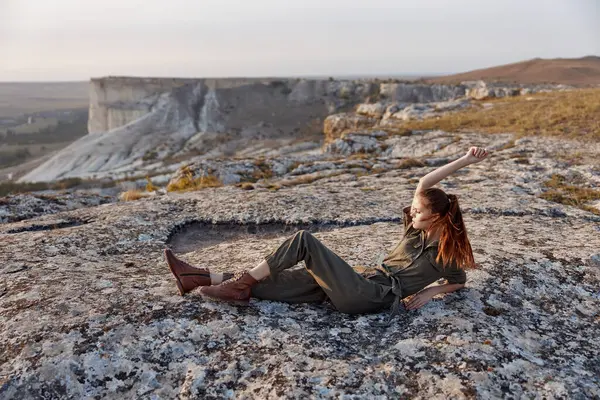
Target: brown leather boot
point(187, 277)
point(235, 291)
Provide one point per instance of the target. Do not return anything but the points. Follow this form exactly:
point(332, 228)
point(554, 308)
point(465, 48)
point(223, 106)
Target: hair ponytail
point(454, 246)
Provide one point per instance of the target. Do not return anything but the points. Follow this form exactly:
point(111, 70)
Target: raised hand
point(476, 154)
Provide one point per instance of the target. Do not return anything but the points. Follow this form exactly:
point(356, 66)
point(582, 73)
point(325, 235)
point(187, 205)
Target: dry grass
point(307, 179)
point(359, 156)
point(187, 182)
point(572, 114)
point(132, 195)
point(409, 163)
point(571, 159)
point(264, 170)
point(561, 192)
point(273, 187)
point(150, 187)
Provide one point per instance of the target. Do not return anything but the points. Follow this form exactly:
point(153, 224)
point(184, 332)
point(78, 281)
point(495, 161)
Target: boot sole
point(179, 284)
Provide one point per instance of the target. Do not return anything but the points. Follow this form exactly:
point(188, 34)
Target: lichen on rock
point(89, 308)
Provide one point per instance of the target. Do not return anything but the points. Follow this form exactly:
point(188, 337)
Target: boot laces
point(235, 278)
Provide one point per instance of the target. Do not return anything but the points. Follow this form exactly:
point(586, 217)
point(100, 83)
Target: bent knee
point(304, 235)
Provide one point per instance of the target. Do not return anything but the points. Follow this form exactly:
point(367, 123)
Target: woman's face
point(422, 218)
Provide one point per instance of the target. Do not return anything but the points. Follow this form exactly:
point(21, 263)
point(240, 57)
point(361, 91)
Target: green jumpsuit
point(409, 267)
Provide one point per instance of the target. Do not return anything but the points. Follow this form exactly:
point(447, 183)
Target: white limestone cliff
point(141, 121)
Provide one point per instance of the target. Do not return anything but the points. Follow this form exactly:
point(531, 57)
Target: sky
point(65, 40)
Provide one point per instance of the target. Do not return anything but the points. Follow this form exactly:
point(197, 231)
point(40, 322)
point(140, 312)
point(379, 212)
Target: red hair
point(454, 246)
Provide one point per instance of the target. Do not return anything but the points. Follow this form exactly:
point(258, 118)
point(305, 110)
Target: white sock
point(216, 278)
point(261, 271)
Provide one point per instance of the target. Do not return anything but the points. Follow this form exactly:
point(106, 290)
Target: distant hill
point(18, 98)
point(570, 71)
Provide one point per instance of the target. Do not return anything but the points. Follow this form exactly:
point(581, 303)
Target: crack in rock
point(47, 226)
point(195, 235)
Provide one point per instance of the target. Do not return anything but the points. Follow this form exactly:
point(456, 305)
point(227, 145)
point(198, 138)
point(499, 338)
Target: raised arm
point(474, 155)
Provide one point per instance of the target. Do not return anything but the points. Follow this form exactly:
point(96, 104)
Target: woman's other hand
point(476, 154)
point(421, 298)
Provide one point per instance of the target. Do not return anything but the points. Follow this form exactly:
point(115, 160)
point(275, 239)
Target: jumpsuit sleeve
point(455, 275)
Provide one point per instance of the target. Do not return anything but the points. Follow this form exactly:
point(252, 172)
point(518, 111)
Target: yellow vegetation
point(409, 163)
point(150, 186)
point(273, 187)
point(187, 182)
point(570, 114)
point(571, 195)
point(306, 179)
point(132, 195)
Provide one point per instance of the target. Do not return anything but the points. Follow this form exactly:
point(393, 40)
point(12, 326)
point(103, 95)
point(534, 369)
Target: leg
point(188, 277)
point(290, 286)
point(349, 291)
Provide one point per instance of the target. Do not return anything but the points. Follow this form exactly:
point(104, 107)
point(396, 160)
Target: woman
point(435, 245)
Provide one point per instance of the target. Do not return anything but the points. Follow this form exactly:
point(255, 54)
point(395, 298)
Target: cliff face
point(117, 101)
point(138, 117)
point(134, 120)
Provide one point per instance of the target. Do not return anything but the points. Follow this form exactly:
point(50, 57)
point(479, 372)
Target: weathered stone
point(127, 333)
point(392, 109)
point(420, 93)
point(352, 144)
point(23, 206)
point(337, 124)
point(304, 169)
point(16, 268)
point(450, 105)
point(413, 111)
point(374, 110)
point(480, 90)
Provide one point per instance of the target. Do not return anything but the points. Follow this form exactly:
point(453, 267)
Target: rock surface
point(90, 310)
point(25, 206)
point(420, 93)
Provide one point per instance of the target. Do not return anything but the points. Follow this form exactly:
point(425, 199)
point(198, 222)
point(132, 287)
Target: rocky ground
point(90, 310)
point(30, 205)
